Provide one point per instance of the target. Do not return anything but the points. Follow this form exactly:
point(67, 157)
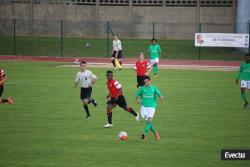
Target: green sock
point(244, 97)
point(147, 127)
point(155, 69)
point(152, 128)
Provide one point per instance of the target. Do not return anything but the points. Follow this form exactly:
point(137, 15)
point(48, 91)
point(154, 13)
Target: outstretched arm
point(3, 80)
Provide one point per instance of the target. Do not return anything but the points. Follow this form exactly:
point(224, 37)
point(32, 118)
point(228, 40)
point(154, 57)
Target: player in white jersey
point(117, 51)
point(86, 79)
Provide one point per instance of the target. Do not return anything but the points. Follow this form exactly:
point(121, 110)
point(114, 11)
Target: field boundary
point(206, 65)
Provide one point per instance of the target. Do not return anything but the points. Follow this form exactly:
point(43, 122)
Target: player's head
point(109, 75)
point(147, 80)
point(140, 56)
point(83, 65)
point(153, 41)
point(116, 37)
point(247, 57)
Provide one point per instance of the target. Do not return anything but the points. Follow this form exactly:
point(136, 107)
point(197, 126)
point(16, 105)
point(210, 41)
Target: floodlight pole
point(249, 37)
point(153, 30)
point(14, 36)
point(199, 48)
point(107, 39)
point(61, 38)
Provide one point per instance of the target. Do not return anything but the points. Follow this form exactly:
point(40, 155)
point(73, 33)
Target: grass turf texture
point(46, 127)
point(76, 47)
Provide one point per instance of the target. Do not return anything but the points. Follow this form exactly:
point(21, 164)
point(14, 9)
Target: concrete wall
point(128, 21)
point(243, 18)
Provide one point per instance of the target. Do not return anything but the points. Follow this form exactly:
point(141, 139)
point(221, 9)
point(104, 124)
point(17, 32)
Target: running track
point(91, 60)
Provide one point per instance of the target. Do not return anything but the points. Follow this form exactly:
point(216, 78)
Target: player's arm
point(159, 51)
point(135, 68)
point(76, 81)
point(119, 47)
point(118, 87)
point(138, 95)
point(158, 93)
point(149, 68)
point(4, 79)
point(93, 78)
point(239, 74)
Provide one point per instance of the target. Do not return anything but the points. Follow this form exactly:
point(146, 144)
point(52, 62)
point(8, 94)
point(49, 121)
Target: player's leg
point(148, 114)
point(138, 82)
point(243, 87)
point(155, 62)
point(110, 106)
point(119, 57)
point(152, 128)
point(84, 99)
point(144, 115)
point(4, 100)
point(113, 59)
point(123, 104)
point(141, 81)
point(89, 98)
point(86, 108)
point(155, 69)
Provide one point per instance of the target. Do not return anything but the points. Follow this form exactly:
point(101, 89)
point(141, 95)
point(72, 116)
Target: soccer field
point(202, 114)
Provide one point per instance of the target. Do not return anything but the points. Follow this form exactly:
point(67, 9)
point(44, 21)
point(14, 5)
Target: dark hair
point(247, 54)
point(153, 40)
point(83, 62)
point(109, 72)
point(147, 77)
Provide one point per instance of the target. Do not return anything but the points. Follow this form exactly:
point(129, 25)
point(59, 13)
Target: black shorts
point(86, 93)
point(140, 81)
point(119, 56)
point(120, 101)
point(1, 90)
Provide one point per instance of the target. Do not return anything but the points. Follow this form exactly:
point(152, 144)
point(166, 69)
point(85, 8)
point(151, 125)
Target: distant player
point(154, 54)
point(244, 76)
point(146, 95)
point(142, 68)
point(86, 78)
point(117, 52)
point(115, 97)
point(3, 78)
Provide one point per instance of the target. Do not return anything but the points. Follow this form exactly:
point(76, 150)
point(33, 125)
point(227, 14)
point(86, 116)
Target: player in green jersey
point(146, 95)
point(154, 54)
point(244, 77)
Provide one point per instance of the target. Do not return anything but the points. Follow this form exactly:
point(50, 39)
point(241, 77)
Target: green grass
point(46, 127)
point(76, 47)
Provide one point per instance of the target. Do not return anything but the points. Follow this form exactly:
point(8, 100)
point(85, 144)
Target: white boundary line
point(178, 67)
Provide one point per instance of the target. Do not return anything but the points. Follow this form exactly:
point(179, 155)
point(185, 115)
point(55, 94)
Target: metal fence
point(60, 38)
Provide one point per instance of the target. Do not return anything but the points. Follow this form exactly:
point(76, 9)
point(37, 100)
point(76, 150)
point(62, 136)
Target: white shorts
point(245, 84)
point(147, 112)
point(154, 61)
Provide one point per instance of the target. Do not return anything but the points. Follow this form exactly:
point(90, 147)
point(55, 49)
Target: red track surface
point(125, 61)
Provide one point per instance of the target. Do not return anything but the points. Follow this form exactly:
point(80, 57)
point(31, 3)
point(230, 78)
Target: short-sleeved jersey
point(154, 51)
point(148, 95)
point(2, 75)
point(141, 67)
point(114, 87)
point(117, 45)
point(85, 78)
point(244, 71)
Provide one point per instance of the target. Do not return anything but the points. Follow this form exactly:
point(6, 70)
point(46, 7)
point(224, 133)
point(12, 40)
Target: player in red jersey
point(116, 97)
point(142, 68)
point(3, 78)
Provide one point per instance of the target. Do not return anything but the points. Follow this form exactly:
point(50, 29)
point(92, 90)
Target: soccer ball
point(87, 44)
point(123, 136)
